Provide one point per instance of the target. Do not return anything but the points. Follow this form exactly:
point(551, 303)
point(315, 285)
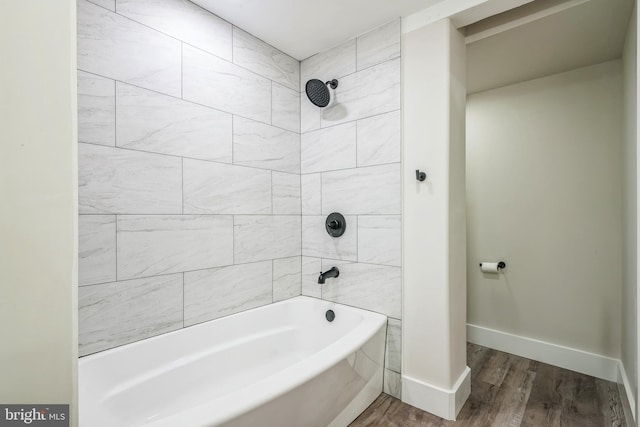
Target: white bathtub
point(276, 366)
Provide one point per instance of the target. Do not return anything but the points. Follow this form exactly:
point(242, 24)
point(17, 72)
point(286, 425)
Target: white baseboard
point(436, 400)
point(564, 357)
point(626, 393)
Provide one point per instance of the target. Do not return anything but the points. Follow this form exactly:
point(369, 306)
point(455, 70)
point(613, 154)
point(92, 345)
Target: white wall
point(38, 210)
point(434, 370)
point(544, 195)
point(629, 354)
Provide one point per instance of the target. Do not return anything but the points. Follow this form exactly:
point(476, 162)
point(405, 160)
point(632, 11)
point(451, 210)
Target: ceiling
point(543, 38)
point(301, 28)
point(540, 38)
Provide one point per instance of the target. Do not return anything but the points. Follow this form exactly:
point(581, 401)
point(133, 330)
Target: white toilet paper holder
point(501, 265)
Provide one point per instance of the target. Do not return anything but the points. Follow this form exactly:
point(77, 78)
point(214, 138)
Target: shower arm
point(332, 83)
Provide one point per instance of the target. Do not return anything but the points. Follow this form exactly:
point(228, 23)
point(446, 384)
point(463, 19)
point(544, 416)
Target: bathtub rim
point(234, 404)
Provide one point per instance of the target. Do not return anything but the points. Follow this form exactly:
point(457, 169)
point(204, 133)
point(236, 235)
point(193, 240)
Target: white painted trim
point(522, 21)
point(439, 11)
point(461, 12)
point(623, 380)
point(437, 400)
point(564, 357)
point(485, 10)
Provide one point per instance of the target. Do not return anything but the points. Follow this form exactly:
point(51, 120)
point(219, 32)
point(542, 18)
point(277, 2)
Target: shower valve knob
point(420, 176)
point(334, 225)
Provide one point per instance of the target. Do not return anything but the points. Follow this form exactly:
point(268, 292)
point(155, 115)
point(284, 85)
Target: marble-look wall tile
point(316, 242)
point(393, 352)
point(214, 82)
point(217, 292)
point(264, 146)
point(258, 237)
point(379, 45)
point(311, 194)
point(116, 47)
point(255, 55)
point(366, 93)
point(108, 4)
point(216, 188)
point(370, 190)
point(329, 149)
point(149, 121)
point(311, 269)
point(309, 114)
point(372, 287)
point(392, 384)
point(96, 249)
point(285, 188)
point(330, 64)
point(118, 313)
point(286, 278)
point(285, 107)
point(379, 139)
point(113, 180)
point(161, 244)
point(96, 109)
point(380, 239)
point(183, 20)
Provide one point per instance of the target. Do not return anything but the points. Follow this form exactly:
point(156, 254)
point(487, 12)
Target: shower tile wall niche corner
point(205, 173)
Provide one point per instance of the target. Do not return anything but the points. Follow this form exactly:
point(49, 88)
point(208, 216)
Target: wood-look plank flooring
point(511, 391)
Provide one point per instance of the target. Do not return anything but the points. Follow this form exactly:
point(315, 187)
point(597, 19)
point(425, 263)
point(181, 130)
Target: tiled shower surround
point(205, 174)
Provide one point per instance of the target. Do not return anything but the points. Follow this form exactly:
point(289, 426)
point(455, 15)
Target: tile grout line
point(350, 121)
point(116, 248)
point(248, 118)
point(360, 71)
point(235, 114)
point(233, 43)
point(115, 142)
point(355, 42)
point(187, 100)
point(231, 61)
point(182, 182)
point(357, 242)
point(290, 215)
point(242, 263)
point(216, 162)
point(321, 176)
point(357, 121)
point(115, 113)
point(183, 298)
point(300, 175)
